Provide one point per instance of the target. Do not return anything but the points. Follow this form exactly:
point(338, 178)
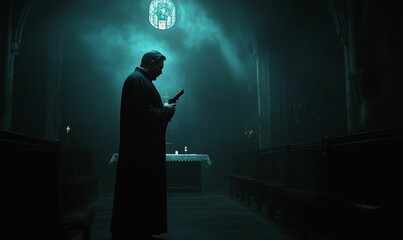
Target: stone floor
point(207, 215)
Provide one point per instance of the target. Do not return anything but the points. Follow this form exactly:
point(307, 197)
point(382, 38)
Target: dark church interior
point(292, 116)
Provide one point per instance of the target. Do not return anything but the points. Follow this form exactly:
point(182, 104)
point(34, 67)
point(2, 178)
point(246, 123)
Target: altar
point(184, 171)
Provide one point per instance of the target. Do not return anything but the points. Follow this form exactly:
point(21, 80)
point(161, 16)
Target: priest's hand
point(171, 108)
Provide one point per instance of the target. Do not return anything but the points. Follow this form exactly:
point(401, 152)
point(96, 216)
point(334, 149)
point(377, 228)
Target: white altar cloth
point(175, 157)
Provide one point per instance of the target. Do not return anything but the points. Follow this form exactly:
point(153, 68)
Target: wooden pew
point(35, 180)
point(320, 190)
point(271, 163)
point(29, 186)
point(288, 167)
point(365, 166)
point(260, 176)
point(356, 196)
point(78, 183)
point(244, 177)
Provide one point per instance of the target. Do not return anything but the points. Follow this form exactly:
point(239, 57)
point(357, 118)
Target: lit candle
point(67, 133)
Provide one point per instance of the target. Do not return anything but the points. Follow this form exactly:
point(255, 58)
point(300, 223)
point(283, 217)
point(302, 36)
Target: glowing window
point(162, 14)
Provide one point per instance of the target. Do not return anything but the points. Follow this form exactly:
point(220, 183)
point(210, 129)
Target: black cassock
point(140, 200)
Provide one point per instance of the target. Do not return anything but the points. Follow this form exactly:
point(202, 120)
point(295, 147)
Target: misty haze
point(274, 91)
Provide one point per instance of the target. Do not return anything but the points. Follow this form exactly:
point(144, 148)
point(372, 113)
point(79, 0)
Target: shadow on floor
point(207, 215)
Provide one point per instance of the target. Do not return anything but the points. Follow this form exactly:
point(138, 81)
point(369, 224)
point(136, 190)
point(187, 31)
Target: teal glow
point(162, 14)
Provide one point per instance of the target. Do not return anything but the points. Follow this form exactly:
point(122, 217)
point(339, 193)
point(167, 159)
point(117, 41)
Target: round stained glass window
point(162, 14)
